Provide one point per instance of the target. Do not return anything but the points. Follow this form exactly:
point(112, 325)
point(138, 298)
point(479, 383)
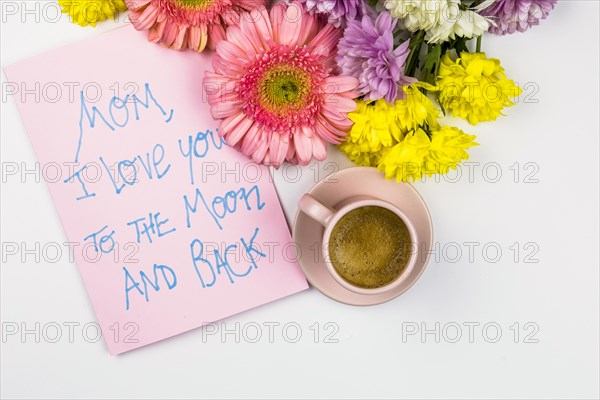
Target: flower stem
point(415, 49)
point(478, 48)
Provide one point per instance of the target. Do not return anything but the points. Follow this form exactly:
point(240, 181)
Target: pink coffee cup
point(329, 217)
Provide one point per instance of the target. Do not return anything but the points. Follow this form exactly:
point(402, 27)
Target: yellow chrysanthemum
point(359, 157)
point(418, 155)
point(379, 125)
point(394, 137)
point(474, 87)
point(416, 109)
point(404, 161)
point(374, 126)
point(447, 150)
point(88, 12)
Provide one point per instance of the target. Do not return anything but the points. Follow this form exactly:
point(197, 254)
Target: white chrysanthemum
point(464, 23)
point(441, 19)
point(417, 14)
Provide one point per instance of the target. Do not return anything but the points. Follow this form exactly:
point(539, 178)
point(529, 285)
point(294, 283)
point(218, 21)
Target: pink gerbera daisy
point(273, 86)
point(182, 24)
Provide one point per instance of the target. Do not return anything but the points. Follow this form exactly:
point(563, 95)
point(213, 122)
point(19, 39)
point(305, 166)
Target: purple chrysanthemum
point(510, 16)
point(366, 51)
point(338, 12)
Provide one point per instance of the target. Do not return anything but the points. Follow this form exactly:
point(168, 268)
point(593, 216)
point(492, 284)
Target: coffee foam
point(370, 246)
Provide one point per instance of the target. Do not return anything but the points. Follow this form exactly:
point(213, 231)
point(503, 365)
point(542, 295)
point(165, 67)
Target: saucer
point(359, 181)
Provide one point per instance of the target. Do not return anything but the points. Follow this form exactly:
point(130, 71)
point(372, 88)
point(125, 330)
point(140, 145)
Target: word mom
point(116, 105)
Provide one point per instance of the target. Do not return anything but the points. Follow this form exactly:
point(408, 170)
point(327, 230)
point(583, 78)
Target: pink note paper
point(173, 228)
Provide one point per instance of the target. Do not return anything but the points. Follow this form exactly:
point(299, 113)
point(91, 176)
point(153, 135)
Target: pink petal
point(180, 41)
point(204, 38)
point(250, 4)
point(303, 145)
point(224, 109)
point(144, 19)
point(219, 88)
point(330, 112)
point(226, 67)
point(335, 118)
point(197, 37)
point(216, 33)
point(277, 17)
point(229, 92)
point(351, 94)
point(230, 52)
point(290, 28)
point(342, 83)
point(215, 77)
point(252, 139)
point(229, 123)
point(213, 83)
point(252, 31)
point(327, 131)
point(237, 37)
point(194, 37)
point(263, 146)
point(156, 32)
point(310, 27)
point(231, 17)
point(319, 148)
point(237, 133)
point(293, 159)
point(343, 125)
point(259, 19)
point(266, 160)
point(171, 30)
point(277, 149)
point(327, 38)
point(291, 153)
point(340, 103)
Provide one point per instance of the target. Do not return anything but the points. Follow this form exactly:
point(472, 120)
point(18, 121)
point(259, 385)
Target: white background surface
point(558, 133)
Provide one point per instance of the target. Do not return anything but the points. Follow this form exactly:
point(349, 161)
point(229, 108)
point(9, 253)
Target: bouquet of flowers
point(373, 77)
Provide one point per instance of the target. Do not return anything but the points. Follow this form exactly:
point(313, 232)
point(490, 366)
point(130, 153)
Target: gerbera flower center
point(282, 88)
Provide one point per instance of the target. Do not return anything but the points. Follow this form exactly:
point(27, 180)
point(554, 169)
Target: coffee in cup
point(369, 246)
point(367, 242)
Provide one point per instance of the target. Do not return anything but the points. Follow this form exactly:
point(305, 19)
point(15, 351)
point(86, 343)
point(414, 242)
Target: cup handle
point(315, 209)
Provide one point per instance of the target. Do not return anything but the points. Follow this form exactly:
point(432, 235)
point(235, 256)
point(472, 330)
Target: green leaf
point(432, 61)
point(460, 45)
point(412, 62)
point(432, 57)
